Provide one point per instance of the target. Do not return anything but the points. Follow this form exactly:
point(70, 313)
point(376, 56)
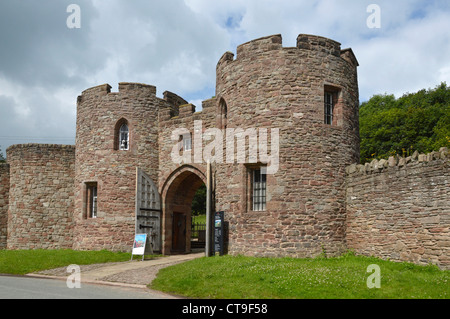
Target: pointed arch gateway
point(177, 194)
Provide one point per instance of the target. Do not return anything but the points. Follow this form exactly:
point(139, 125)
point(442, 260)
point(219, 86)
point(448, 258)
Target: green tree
point(199, 201)
point(416, 121)
point(2, 159)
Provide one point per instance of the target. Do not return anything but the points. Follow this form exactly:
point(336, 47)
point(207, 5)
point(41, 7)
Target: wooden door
point(148, 209)
point(179, 232)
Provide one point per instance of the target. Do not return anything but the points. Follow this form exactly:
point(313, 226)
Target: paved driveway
point(14, 287)
point(124, 280)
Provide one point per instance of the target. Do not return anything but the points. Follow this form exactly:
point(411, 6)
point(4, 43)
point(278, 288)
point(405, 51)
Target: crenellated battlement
point(137, 88)
point(95, 92)
point(269, 43)
point(186, 111)
point(128, 88)
point(319, 44)
point(181, 112)
point(173, 99)
point(226, 58)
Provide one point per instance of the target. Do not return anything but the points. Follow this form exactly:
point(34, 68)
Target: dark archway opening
point(198, 219)
point(178, 213)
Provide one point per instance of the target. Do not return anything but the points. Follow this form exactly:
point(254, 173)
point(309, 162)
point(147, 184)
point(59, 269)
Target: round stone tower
point(309, 95)
point(40, 196)
point(116, 134)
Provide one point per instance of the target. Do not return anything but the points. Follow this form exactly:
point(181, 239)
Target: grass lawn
point(239, 277)
point(20, 262)
point(199, 219)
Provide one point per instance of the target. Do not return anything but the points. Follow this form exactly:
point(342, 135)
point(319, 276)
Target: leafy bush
point(416, 121)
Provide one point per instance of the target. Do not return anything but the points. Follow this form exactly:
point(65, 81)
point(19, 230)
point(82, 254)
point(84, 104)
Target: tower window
point(333, 106)
point(91, 200)
point(122, 135)
point(124, 138)
point(259, 189)
point(328, 108)
point(186, 141)
point(222, 115)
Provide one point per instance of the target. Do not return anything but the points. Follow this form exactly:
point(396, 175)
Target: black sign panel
point(218, 232)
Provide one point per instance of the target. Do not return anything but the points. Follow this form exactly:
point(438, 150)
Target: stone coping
point(397, 161)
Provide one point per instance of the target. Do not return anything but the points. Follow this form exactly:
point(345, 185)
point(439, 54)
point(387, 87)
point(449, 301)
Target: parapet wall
point(316, 44)
point(124, 87)
point(399, 208)
point(4, 200)
point(41, 196)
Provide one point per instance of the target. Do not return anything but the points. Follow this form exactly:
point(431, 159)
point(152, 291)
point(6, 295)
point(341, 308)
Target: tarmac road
point(18, 287)
point(123, 280)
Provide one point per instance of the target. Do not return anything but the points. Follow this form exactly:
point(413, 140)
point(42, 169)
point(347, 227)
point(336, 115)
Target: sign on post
point(218, 232)
point(140, 240)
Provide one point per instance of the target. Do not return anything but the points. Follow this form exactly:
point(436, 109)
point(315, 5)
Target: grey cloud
point(176, 44)
point(46, 65)
point(37, 47)
point(149, 37)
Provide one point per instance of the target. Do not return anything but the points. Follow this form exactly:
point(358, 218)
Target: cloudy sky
point(175, 45)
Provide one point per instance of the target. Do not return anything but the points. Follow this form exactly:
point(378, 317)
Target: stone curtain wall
point(4, 200)
point(40, 196)
point(400, 208)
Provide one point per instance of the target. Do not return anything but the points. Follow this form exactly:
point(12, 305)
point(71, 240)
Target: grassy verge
point(19, 262)
point(199, 219)
point(342, 277)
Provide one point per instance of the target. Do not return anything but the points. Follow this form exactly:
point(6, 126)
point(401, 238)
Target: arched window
point(124, 138)
point(222, 114)
point(122, 135)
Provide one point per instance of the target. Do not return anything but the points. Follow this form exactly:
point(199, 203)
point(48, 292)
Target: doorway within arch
point(177, 209)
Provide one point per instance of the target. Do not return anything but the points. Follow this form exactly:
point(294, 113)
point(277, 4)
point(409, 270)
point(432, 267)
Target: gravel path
point(62, 271)
point(143, 276)
point(140, 276)
point(114, 272)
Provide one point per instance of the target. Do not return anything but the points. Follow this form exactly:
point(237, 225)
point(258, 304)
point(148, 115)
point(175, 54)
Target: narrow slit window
point(223, 114)
point(328, 108)
point(91, 198)
point(259, 190)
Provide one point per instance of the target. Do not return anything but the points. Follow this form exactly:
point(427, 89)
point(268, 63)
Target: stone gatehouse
point(277, 147)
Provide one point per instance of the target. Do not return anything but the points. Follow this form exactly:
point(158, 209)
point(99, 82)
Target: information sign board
point(140, 241)
point(218, 232)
